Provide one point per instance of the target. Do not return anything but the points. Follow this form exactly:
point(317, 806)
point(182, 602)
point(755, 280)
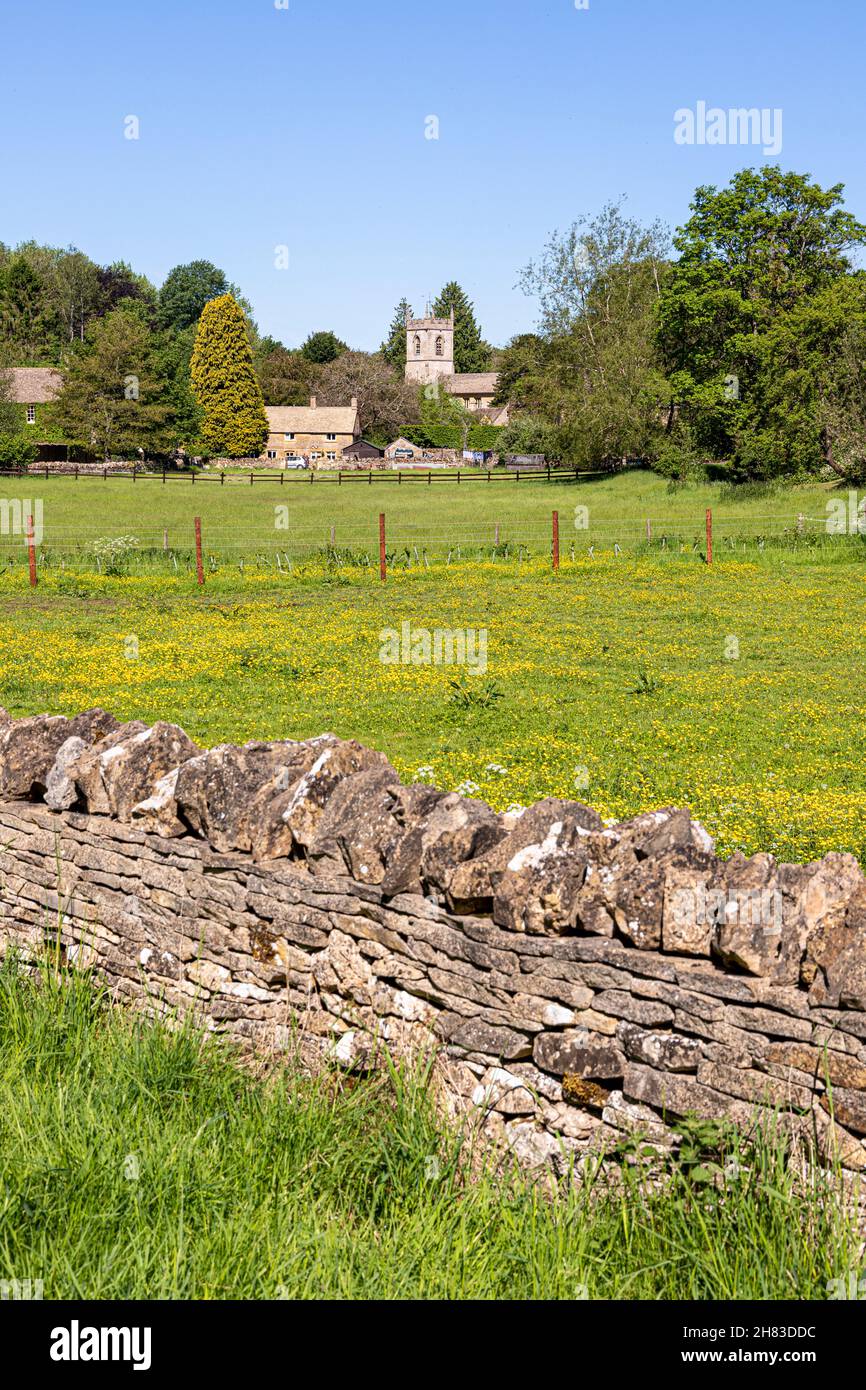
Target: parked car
point(294, 461)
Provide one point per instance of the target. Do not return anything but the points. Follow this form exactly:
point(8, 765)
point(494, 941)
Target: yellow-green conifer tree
point(234, 423)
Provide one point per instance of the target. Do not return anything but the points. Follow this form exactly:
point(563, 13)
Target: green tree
point(323, 347)
point(172, 356)
point(807, 407)
point(77, 292)
point(394, 347)
point(386, 402)
point(29, 320)
point(224, 382)
point(187, 289)
point(113, 400)
point(118, 283)
point(522, 365)
point(471, 353)
point(750, 255)
point(597, 380)
point(287, 378)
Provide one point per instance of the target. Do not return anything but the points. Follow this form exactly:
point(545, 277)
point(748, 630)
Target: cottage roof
point(34, 385)
point(310, 419)
point(472, 383)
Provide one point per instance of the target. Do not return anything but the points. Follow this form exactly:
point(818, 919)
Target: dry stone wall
point(582, 981)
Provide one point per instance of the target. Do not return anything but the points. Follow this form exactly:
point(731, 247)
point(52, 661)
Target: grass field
point(143, 1163)
point(243, 521)
point(140, 1163)
point(628, 680)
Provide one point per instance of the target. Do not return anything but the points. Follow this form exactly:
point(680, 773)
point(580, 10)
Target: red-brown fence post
point(31, 552)
point(382, 570)
point(199, 567)
point(556, 540)
point(709, 535)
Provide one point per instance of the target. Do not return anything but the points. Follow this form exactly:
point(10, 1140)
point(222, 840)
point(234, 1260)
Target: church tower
point(429, 349)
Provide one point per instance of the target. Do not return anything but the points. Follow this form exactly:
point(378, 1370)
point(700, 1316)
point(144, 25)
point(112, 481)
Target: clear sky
point(305, 127)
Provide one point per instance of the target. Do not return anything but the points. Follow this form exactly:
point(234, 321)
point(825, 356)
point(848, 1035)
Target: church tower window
point(417, 346)
point(439, 347)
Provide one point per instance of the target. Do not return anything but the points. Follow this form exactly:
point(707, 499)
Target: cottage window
point(417, 346)
point(290, 436)
point(31, 414)
point(332, 456)
point(330, 437)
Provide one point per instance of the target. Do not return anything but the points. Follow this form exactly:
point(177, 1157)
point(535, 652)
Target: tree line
point(183, 368)
point(738, 343)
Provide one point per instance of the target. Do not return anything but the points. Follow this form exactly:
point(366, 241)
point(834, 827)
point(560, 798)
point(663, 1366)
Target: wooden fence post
point(31, 552)
point(199, 567)
point(709, 535)
point(382, 570)
point(556, 540)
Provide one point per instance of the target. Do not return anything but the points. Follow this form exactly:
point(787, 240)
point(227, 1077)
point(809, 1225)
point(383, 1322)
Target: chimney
point(354, 402)
point(312, 402)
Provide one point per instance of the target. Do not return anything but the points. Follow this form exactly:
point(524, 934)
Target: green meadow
point(637, 676)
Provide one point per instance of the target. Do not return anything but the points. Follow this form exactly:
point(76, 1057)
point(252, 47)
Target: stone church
point(430, 358)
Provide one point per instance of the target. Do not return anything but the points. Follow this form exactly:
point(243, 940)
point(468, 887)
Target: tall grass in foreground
point(139, 1162)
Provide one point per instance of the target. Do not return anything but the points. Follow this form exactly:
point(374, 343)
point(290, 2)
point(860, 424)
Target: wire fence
point(281, 542)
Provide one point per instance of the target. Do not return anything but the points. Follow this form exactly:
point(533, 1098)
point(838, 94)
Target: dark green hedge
point(451, 437)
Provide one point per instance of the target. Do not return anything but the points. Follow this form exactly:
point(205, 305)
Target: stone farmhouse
point(317, 433)
point(430, 358)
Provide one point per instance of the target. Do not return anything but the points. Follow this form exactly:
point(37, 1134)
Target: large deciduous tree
point(114, 401)
point(386, 403)
point(287, 377)
point(752, 256)
point(323, 347)
point(186, 291)
point(594, 375)
point(234, 423)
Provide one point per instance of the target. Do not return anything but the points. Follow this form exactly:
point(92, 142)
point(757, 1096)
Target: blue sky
point(305, 127)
